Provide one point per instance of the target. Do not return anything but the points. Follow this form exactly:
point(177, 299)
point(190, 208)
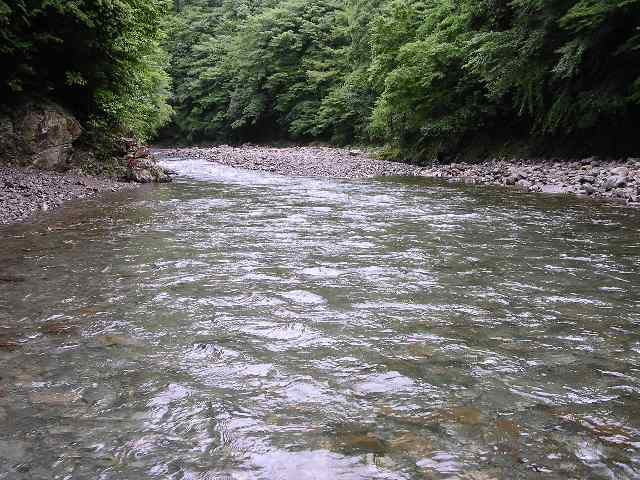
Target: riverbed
point(243, 325)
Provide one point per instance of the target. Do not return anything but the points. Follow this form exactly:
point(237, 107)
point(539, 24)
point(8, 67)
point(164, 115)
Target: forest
point(425, 79)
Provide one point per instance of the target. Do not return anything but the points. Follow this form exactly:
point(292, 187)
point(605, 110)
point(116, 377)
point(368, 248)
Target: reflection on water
point(238, 325)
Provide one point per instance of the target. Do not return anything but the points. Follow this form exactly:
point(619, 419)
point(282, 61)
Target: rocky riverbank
point(24, 192)
point(39, 137)
point(613, 180)
point(297, 161)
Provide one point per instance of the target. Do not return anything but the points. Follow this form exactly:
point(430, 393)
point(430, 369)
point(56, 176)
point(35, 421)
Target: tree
point(102, 59)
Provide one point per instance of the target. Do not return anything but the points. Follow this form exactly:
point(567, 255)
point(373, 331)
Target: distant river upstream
point(240, 325)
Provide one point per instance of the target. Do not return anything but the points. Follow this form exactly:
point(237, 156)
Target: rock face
point(38, 134)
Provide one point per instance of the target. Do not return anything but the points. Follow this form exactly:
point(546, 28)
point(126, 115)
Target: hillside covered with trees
point(425, 78)
point(100, 59)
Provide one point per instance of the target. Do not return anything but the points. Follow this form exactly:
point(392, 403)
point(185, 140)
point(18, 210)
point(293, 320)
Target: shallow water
point(240, 325)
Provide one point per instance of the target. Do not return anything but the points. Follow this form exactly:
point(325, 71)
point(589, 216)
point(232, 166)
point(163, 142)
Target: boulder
point(142, 152)
point(38, 134)
point(619, 171)
point(587, 179)
point(553, 189)
point(512, 179)
point(146, 170)
point(615, 182)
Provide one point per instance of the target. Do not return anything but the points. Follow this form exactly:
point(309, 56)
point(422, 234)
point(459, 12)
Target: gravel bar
point(24, 192)
point(610, 180)
point(297, 161)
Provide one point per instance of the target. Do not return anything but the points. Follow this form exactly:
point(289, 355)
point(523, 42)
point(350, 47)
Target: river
point(241, 325)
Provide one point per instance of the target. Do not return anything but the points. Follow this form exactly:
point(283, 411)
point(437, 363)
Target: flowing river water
point(242, 325)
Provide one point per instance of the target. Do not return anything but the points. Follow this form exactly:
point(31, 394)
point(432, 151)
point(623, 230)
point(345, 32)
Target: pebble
point(297, 161)
point(54, 398)
point(614, 180)
point(24, 192)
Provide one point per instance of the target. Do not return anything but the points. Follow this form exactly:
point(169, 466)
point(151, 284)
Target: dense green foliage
point(100, 58)
point(424, 77)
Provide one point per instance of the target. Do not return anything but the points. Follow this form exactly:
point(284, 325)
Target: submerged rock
point(8, 345)
point(58, 328)
point(12, 279)
point(54, 398)
point(411, 444)
point(361, 442)
point(117, 341)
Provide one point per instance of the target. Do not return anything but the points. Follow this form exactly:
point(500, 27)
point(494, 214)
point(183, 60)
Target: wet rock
point(619, 171)
point(615, 182)
point(146, 170)
point(588, 179)
point(117, 341)
point(88, 311)
point(354, 442)
point(12, 279)
point(553, 189)
point(58, 328)
point(412, 444)
point(54, 398)
point(508, 427)
point(8, 345)
point(142, 152)
point(12, 450)
point(423, 351)
point(524, 185)
point(443, 463)
point(512, 179)
point(478, 475)
point(466, 415)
